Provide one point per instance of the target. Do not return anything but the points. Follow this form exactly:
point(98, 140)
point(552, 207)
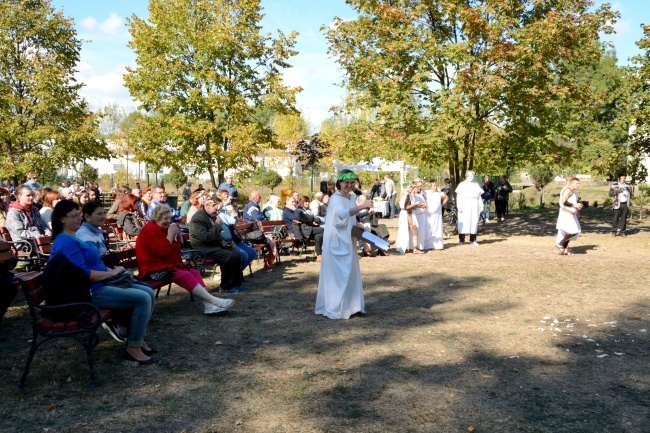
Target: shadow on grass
point(216, 370)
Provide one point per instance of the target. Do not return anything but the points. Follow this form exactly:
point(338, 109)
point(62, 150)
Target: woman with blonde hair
point(196, 201)
point(272, 210)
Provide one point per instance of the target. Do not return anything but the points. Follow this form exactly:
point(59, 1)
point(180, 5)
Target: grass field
point(506, 337)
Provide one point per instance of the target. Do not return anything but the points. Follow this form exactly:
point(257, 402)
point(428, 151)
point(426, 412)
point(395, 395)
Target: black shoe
point(149, 352)
point(109, 327)
point(149, 361)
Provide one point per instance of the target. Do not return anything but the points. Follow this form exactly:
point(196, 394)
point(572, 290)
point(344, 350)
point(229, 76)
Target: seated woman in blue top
point(228, 216)
point(66, 220)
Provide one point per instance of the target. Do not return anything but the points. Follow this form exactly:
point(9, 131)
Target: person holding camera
point(621, 194)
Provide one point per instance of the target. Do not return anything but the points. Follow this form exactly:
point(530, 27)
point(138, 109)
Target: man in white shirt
point(391, 193)
point(315, 206)
point(470, 206)
point(621, 194)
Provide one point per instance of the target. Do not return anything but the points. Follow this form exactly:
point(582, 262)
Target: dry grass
point(501, 338)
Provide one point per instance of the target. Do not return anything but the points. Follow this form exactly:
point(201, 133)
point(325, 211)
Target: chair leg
point(30, 358)
point(169, 289)
point(89, 344)
point(157, 292)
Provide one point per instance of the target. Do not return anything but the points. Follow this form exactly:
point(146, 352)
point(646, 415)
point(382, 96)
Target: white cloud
point(102, 88)
point(111, 26)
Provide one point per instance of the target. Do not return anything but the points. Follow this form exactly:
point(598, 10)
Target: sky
point(105, 55)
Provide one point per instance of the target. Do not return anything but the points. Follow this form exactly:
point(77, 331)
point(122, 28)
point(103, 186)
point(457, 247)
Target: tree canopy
point(207, 75)
point(479, 84)
point(43, 121)
point(639, 143)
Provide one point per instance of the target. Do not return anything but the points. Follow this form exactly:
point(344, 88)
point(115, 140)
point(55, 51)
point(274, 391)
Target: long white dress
point(340, 291)
point(470, 206)
point(420, 220)
point(404, 237)
point(434, 217)
point(567, 220)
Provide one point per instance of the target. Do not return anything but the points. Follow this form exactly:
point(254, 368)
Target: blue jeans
point(247, 252)
point(138, 298)
point(393, 206)
point(487, 202)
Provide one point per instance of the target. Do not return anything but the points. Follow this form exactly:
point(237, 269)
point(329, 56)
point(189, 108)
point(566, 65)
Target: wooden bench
point(260, 249)
point(82, 328)
point(269, 227)
point(44, 247)
point(23, 250)
point(128, 259)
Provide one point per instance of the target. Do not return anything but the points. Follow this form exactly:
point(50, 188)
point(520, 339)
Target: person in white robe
point(470, 206)
point(435, 201)
point(404, 241)
point(420, 221)
point(568, 225)
point(340, 292)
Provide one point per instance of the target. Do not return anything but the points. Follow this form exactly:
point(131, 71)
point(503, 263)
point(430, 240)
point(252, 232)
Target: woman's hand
point(117, 270)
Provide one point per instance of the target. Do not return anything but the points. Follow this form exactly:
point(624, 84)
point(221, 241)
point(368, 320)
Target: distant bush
point(521, 200)
point(595, 203)
point(607, 202)
point(584, 203)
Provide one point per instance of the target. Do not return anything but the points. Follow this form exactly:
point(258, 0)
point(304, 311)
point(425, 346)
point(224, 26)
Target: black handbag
point(123, 280)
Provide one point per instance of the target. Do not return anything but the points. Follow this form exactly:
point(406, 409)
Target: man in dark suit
point(205, 236)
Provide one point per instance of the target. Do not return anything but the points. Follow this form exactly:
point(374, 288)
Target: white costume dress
point(470, 206)
point(420, 221)
point(567, 220)
point(434, 238)
point(340, 292)
point(404, 238)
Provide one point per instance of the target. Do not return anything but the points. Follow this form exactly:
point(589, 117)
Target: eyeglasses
point(74, 216)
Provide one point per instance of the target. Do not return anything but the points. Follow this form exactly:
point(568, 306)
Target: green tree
point(268, 178)
point(639, 141)
point(208, 74)
point(88, 173)
point(44, 123)
point(542, 175)
point(310, 154)
point(477, 84)
point(117, 125)
point(175, 177)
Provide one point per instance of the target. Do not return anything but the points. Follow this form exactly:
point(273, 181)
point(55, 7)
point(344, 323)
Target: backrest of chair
point(244, 228)
point(110, 221)
point(44, 244)
point(127, 258)
point(4, 233)
point(32, 284)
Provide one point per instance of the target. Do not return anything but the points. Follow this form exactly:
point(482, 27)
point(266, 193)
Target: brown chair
point(82, 328)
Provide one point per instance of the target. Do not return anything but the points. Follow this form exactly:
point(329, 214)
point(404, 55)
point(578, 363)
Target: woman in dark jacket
point(502, 194)
point(127, 217)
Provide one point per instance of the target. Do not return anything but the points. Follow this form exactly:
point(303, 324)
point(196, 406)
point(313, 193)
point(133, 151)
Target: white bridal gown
point(404, 238)
point(340, 293)
point(470, 206)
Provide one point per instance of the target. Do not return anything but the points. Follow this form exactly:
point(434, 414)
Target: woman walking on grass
point(340, 293)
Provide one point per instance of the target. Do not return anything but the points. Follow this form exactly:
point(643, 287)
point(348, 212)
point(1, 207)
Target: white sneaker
point(223, 305)
point(474, 244)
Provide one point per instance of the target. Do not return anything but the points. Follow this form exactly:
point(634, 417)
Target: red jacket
point(154, 252)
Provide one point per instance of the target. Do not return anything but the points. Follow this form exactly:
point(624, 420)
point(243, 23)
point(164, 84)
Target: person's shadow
point(582, 249)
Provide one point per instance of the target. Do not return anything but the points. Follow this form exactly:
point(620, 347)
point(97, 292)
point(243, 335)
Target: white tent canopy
point(379, 164)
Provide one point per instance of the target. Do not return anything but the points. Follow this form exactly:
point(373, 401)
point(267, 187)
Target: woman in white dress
point(435, 201)
point(568, 225)
point(404, 237)
point(340, 293)
point(419, 219)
